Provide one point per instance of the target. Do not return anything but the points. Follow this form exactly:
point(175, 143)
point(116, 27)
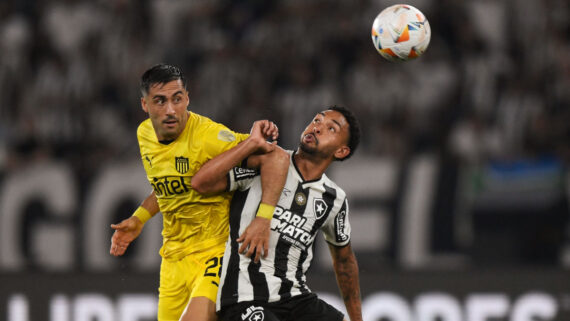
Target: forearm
point(211, 177)
point(150, 203)
point(273, 170)
point(147, 209)
point(346, 270)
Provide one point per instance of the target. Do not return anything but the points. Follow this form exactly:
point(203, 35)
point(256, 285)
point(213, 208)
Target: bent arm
point(273, 168)
point(273, 165)
point(346, 270)
point(211, 177)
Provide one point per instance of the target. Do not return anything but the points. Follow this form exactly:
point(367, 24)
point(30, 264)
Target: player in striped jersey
point(275, 288)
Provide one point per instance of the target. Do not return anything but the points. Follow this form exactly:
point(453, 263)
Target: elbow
point(199, 185)
point(281, 157)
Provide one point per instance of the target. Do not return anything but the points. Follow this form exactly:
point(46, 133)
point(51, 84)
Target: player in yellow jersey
point(174, 143)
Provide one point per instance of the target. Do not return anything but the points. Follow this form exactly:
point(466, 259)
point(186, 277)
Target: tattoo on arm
point(346, 270)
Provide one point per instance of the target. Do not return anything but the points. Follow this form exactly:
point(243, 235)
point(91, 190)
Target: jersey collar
point(299, 172)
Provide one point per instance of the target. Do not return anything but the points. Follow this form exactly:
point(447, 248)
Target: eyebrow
point(163, 96)
point(322, 113)
point(339, 126)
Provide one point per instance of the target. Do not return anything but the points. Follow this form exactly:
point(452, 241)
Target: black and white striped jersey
point(305, 207)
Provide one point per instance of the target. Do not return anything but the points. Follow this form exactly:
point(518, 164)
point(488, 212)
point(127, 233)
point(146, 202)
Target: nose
point(169, 109)
point(316, 129)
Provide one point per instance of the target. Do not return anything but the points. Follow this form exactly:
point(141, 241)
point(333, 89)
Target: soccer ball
point(401, 32)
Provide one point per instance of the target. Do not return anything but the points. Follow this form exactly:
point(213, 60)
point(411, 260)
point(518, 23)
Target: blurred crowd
point(494, 84)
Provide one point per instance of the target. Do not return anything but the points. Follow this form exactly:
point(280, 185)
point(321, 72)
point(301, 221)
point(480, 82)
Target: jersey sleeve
point(336, 229)
point(145, 133)
point(241, 178)
point(217, 139)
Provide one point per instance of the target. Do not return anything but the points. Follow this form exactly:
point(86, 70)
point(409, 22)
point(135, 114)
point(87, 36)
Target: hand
point(125, 233)
point(264, 130)
point(270, 130)
point(255, 238)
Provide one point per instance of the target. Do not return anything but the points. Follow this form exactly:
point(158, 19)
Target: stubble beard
point(307, 149)
point(168, 133)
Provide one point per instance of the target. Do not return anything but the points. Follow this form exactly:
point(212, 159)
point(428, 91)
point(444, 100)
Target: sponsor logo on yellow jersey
point(170, 185)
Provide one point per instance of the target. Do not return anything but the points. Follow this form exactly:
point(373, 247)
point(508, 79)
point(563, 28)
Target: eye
point(177, 99)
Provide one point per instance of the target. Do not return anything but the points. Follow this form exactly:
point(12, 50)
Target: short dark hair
point(160, 74)
point(353, 127)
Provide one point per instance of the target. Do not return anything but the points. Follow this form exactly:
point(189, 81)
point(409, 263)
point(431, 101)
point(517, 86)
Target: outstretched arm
point(129, 229)
point(346, 270)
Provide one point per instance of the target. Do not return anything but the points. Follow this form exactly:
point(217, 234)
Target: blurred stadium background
point(459, 192)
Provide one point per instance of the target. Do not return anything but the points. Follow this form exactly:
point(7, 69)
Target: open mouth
point(311, 138)
point(170, 122)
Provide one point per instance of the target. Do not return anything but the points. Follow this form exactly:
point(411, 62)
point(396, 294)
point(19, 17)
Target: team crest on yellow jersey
point(182, 165)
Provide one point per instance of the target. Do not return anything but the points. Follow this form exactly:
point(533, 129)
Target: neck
point(311, 166)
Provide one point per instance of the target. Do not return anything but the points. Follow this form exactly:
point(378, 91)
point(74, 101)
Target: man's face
point(166, 106)
point(326, 136)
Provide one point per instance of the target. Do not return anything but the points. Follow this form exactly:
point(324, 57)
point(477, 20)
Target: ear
point(187, 99)
point(143, 105)
point(342, 152)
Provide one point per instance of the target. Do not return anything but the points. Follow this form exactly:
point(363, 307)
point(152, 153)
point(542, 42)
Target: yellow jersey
point(191, 221)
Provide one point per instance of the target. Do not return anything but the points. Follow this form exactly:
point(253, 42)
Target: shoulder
point(277, 155)
point(145, 131)
point(198, 119)
point(214, 132)
point(202, 122)
point(331, 184)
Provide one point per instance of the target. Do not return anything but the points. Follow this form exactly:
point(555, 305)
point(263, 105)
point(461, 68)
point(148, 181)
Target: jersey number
point(214, 263)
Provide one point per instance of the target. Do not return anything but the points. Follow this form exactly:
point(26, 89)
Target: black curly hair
point(353, 126)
